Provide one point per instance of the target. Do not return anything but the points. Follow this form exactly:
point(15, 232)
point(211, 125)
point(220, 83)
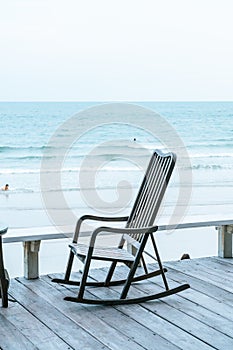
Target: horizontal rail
point(215, 223)
point(31, 242)
point(38, 237)
point(15, 237)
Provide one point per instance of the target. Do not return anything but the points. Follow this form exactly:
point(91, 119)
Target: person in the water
point(5, 188)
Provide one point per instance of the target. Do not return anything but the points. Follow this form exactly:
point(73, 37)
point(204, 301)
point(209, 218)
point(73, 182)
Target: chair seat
point(102, 253)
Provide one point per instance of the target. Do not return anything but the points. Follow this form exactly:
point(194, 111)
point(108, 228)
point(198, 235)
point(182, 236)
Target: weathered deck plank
point(47, 314)
point(191, 317)
point(195, 269)
point(84, 316)
point(198, 318)
point(204, 287)
point(11, 338)
point(117, 319)
point(27, 325)
point(152, 320)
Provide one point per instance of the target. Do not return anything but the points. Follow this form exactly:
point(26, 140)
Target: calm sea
point(205, 128)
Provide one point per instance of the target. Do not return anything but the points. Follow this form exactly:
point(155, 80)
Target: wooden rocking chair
point(136, 233)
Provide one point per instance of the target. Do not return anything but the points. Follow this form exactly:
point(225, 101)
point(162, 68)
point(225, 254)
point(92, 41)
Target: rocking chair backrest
point(151, 191)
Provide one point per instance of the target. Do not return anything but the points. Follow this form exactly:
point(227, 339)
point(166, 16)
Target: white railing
point(31, 243)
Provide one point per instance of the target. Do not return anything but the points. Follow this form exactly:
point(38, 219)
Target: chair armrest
point(95, 218)
point(141, 230)
point(104, 218)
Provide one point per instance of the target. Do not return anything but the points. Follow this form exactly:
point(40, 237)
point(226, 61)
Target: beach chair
point(139, 228)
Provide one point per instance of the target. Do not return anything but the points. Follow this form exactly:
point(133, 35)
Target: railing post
point(31, 259)
point(225, 233)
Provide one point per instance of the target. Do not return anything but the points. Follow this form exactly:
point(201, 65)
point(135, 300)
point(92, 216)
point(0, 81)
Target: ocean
point(92, 165)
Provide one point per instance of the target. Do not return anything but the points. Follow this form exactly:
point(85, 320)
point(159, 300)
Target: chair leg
point(113, 265)
point(159, 262)
point(4, 283)
point(85, 273)
point(110, 274)
point(4, 279)
point(133, 268)
point(144, 265)
point(66, 279)
point(69, 266)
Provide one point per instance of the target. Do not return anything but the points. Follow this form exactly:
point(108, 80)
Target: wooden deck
point(198, 318)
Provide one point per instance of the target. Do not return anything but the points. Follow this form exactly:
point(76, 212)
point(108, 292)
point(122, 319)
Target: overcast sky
point(116, 50)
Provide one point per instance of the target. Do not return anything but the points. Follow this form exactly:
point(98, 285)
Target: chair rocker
point(139, 228)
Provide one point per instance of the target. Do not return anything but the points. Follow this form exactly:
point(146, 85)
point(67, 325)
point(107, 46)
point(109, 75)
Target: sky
point(116, 50)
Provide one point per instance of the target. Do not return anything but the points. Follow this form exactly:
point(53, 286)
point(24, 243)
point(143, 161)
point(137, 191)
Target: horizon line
point(107, 101)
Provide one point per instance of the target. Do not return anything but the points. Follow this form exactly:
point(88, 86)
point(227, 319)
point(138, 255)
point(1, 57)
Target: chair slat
point(151, 191)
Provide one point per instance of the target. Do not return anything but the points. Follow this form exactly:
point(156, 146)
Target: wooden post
point(225, 249)
point(31, 259)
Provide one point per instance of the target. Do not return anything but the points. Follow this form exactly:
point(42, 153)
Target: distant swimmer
point(135, 139)
point(5, 188)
